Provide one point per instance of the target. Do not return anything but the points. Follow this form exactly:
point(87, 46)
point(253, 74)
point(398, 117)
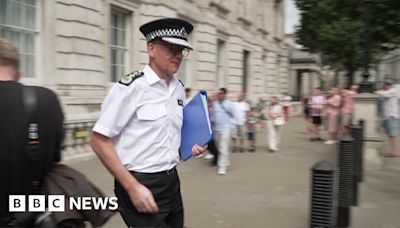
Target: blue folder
point(196, 128)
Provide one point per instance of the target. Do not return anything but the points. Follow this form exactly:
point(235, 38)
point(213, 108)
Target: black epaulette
point(181, 83)
point(129, 78)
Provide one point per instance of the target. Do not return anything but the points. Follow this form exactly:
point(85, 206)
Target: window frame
point(22, 32)
point(220, 64)
point(241, 9)
point(127, 38)
point(185, 69)
point(260, 14)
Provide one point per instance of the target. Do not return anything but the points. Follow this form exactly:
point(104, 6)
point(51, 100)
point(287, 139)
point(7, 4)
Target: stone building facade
point(305, 73)
point(389, 67)
point(79, 48)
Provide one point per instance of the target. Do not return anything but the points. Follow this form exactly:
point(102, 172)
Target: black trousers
point(212, 147)
point(165, 187)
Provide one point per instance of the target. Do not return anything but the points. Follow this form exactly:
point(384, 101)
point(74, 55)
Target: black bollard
point(361, 149)
point(345, 193)
point(322, 195)
point(356, 132)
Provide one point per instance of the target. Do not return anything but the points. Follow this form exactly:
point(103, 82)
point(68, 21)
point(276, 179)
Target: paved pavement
point(269, 190)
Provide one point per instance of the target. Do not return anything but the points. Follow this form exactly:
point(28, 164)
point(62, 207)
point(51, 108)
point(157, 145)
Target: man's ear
point(151, 50)
point(17, 76)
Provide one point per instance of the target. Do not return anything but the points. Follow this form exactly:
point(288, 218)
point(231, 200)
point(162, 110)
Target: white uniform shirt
point(144, 120)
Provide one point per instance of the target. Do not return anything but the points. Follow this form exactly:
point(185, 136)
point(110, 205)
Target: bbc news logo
point(56, 203)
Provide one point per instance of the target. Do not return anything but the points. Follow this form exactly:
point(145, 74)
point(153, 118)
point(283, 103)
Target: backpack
point(35, 162)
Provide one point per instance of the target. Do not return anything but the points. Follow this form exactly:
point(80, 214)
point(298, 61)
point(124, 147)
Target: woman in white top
point(275, 121)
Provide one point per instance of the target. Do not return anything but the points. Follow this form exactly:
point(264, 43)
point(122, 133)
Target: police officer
point(138, 134)
point(18, 172)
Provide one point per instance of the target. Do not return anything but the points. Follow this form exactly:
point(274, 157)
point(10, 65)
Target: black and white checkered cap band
point(177, 33)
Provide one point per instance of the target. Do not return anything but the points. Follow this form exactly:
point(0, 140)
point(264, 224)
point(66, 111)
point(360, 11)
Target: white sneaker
point(199, 156)
point(222, 170)
point(209, 156)
point(330, 142)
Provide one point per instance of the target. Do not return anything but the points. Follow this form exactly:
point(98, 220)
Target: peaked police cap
point(170, 30)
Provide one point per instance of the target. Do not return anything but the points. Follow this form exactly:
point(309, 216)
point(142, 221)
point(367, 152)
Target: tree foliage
point(336, 29)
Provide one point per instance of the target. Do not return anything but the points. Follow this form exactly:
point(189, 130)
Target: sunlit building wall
point(79, 48)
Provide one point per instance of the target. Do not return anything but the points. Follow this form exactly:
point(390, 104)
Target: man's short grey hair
point(8, 53)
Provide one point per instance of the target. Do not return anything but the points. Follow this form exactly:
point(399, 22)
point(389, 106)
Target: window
point(18, 24)
point(261, 14)
point(246, 61)
point(183, 72)
point(264, 71)
point(241, 8)
point(118, 44)
point(220, 63)
point(394, 65)
point(278, 16)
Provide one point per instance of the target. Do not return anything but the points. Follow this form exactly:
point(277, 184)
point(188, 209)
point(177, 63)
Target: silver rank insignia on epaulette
point(129, 78)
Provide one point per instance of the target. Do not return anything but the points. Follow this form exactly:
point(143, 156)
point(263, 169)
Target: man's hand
point(378, 92)
point(143, 199)
point(197, 150)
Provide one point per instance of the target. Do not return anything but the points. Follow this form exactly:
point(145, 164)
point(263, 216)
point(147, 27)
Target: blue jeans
point(391, 126)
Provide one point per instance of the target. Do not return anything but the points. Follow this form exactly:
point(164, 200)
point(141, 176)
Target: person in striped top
point(317, 104)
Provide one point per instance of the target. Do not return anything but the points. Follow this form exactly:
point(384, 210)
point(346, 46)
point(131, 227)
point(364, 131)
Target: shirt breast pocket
point(179, 112)
point(151, 112)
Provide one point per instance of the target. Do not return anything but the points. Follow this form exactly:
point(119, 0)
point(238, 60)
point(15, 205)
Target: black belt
point(166, 172)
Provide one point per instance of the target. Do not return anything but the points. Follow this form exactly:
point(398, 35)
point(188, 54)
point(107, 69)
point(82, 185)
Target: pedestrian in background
point(223, 114)
point(275, 121)
point(240, 109)
point(333, 114)
point(307, 113)
point(260, 107)
point(347, 108)
point(391, 115)
point(251, 124)
point(138, 134)
point(188, 94)
point(24, 162)
point(286, 103)
point(317, 104)
point(212, 147)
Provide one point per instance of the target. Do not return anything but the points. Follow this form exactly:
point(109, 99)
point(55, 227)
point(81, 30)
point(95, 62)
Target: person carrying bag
point(275, 121)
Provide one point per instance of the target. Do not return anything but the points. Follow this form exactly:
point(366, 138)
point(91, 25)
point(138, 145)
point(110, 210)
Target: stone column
point(316, 80)
point(292, 82)
point(305, 82)
point(366, 108)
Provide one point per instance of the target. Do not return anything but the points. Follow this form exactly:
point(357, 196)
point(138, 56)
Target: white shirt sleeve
point(118, 108)
point(389, 93)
